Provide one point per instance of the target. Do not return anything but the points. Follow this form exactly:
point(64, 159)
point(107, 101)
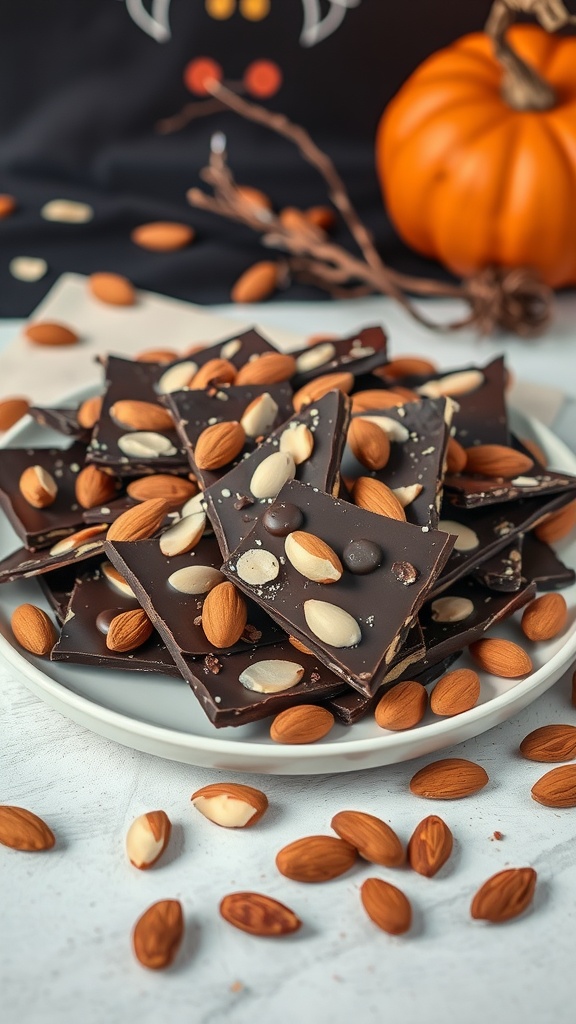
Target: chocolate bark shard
point(58, 584)
point(238, 349)
point(233, 508)
point(541, 564)
point(177, 615)
point(24, 563)
point(358, 354)
point(83, 643)
point(377, 608)
point(505, 570)
point(42, 527)
point(128, 379)
point(194, 411)
point(418, 435)
point(64, 421)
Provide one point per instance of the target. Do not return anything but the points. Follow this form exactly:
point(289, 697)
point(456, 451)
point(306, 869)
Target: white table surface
point(66, 915)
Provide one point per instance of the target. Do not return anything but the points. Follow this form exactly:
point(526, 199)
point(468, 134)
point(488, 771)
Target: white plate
point(160, 715)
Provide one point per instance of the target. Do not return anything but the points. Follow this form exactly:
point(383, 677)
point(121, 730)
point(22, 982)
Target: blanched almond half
point(271, 475)
point(463, 382)
point(271, 676)
point(230, 805)
point(466, 539)
point(195, 579)
point(257, 567)
point(406, 495)
point(395, 431)
point(451, 609)
point(38, 487)
point(177, 377)
point(298, 441)
point(116, 580)
point(259, 417)
point(147, 838)
point(184, 535)
point(312, 557)
point(313, 358)
point(145, 444)
point(331, 624)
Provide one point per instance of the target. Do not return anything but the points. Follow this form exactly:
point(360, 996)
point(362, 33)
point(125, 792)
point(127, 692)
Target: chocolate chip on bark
point(362, 556)
point(405, 572)
point(282, 518)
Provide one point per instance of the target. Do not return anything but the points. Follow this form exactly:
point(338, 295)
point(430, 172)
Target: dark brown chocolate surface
point(358, 354)
point(504, 570)
point(481, 417)
point(231, 505)
point(23, 563)
point(381, 604)
point(541, 564)
point(469, 491)
point(58, 584)
point(64, 421)
point(42, 527)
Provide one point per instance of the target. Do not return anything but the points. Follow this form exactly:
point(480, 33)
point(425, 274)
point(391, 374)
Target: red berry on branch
point(262, 79)
point(199, 72)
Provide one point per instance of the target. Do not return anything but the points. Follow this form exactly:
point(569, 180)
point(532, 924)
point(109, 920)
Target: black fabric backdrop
point(83, 85)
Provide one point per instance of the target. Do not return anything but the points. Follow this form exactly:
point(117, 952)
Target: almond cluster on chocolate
point(280, 529)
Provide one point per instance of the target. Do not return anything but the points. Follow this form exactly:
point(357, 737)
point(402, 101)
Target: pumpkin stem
point(522, 86)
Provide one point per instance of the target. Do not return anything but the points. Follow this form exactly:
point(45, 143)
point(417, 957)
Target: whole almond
point(316, 859)
point(557, 788)
point(550, 743)
point(430, 846)
point(455, 692)
point(368, 443)
point(407, 366)
point(501, 657)
point(38, 487)
point(158, 933)
point(33, 629)
point(8, 205)
point(22, 830)
point(140, 522)
point(175, 490)
point(456, 456)
point(403, 706)
point(230, 804)
point(257, 914)
point(224, 615)
point(386, 906)
point(219, 444)
point(156, 355)
point(312, 557)
point(545, 617)
point(557, 525)
point(89, 412)
point(448, 779)
point(497, 460)
point(147, 838)
point(505, 895)
point(94, 487)
point(114, 289)
point(268, 368)
point(163, 236)
point(128, 630)
point(215, 371)
point(372, 837)
point(136, 415)
point(320, 386)
point(375, 399)
point(46, 332)
point(257, 283)
point(302, 723)
point(377, 497)
point(11, 410)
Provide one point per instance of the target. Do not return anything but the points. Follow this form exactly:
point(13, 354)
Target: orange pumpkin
point(470, 181)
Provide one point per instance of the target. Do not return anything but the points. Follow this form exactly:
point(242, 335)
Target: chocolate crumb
point(405, 572)
point(212, 664)
point(243, 502)
point(251, 635)
point(198, 620)
point(497, 835)
point(314, 677)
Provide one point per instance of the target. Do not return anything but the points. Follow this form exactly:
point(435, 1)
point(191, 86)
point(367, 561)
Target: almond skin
point(557, 525)
point(230, 804)
point(11, 410)
point(33, 629)
point(320, 386)
point(38, 487)
point(114, 289)
point(23, 830)
point(302, 723)
point(218, 371)
point(501, 657)
point(402, 707)
point(448, 779)
point(377, 497)
point(224, 615)
point(128, 630)
point(175, 490)
point(455, 692)
point(257, 283)
point(89, 412)
point(505, 895)
point(456, 456)
point(141, 415)
point(158, 933)
point(219, 444)
point(315, 859)
point(545, 617)
point(372, 837)
point(550, 743)
point(386, 906)
point(312, 557)
point(557, 788)
point(94, 487)
point(430, 846)
point(163, 236)
point(269, 368)
point(497, 460)
point(368, 443)
point(49, 333)
point(257, 914)
point(140, 522)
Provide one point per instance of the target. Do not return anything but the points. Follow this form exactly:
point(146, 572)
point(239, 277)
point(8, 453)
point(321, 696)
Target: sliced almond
point(177, 377)
point(128, 630)
point(299, 646)
point(91, 536)
point(298, 441)
point(463, 382)
point(145, 444)
point(331, 624)
point(224, 615)
point(93, 486)
point(257, 567)
point(377, 497)
point(23, 830)
point(219, 444)
point(195, 579)
point(114, 289)
point(271, 676)
point(134, 415)
point(268, 368)
point(259, 915)
point(184, 535)
point(33, 629)
point(38, 487)
point(174, 489)
point(50, 333)
point(314, 358)
point(320, 386)
point(368, 443)
point(215, 371)
point(230, 804)
point(140, 522)
point(147, 838)
point(116, 580)
point(259, 417)
point(89, 412)
point(270, 476)
point(497, 460)
point(312, 557)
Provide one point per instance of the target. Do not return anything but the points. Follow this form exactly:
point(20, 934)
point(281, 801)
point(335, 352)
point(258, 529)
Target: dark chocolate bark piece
point(481, 417)
point(82, 642)
point(418, 437)
point(194, 411)
point(71, 550)
point(359, 354)
point(541, 564)
point(369, 613)
point(233, 508)
point(504, 570)
point(58, 584)
point(64, 421)
point(238, 349)
point(177, 615)
point(40, 527)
